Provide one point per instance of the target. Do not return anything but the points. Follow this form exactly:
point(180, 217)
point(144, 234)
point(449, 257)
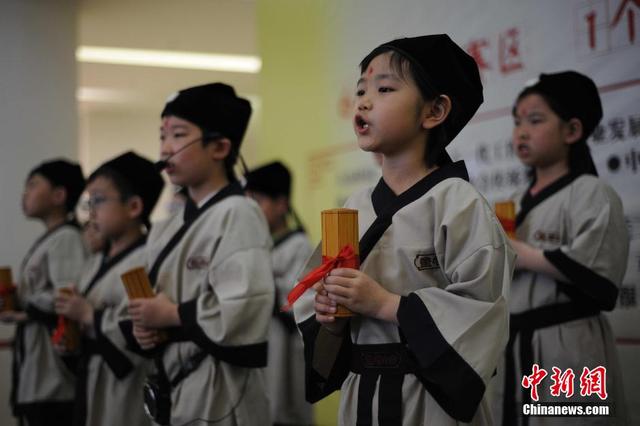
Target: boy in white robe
point(122, 195)
point(43, 381)
point(270, 186)
point(211, 269)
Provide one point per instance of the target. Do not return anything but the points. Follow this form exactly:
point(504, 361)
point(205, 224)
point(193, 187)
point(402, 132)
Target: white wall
point(37, 121)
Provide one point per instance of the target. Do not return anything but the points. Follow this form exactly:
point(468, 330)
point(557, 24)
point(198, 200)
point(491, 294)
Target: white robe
point(114, 375)
point(448, 258)
point(220, 276)
point(285, 369)
point(579, 223)
point(54, 261)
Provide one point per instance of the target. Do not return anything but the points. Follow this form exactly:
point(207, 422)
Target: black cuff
point(452, 382)
point(126, 328)
point(117, 361)
point(249, 356)
point(316, 386)
point(48, 319)
point(599, 289)
point(287, 321)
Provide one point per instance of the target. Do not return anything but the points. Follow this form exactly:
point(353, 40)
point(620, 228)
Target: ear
point(59, 195)
point(219, 149)
point(436, 112)
point(282, 204)
point(135, 206)
point(573, 131)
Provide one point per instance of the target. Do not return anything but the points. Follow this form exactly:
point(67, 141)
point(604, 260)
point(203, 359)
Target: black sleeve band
point(117, 361)
point(48, 319)
point(599, 289)
point(126, 328)
point(250, 356)
point(452, 382)
point(317, 386)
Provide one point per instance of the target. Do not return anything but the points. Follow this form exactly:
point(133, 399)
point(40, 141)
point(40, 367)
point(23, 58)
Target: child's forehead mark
point(370, 70)
point(165, 123)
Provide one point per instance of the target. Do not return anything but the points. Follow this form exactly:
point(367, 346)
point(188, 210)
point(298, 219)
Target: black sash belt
point(524, 325)
point(389, 362)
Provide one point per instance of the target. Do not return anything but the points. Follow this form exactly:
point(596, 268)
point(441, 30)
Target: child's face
point(38, 198)
point(92, 237)
point(191, 165)
point(539, 135)
point(107, 211)
point(274, 209)
point(389, 109)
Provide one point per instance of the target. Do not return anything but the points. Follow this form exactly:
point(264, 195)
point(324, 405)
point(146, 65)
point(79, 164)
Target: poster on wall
point(512, 43)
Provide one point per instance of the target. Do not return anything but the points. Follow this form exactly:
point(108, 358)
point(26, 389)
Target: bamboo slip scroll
point(67, 332)
point(339, 229)
point(137, 285)
point(7, 289)
point(506, 214)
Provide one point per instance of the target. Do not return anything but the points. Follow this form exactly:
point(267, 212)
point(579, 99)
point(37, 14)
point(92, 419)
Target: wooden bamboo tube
point(137, 285)
point(71, 337)
point(7, 290)
point(506, 214)
point(340, 228)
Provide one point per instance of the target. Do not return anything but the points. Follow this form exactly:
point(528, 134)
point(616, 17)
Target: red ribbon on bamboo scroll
point(58, 333)
point(346, 258)
point(7, 290)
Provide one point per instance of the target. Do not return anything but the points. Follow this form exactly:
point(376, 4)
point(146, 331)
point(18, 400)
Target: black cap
point(572, 95)
point(272, 179)
point(575, 94)
point(213, 107)
point(448, 70)
point(66, 174)
point(141, 176)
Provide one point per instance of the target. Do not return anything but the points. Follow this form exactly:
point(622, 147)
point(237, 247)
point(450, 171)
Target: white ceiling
point(206, 26)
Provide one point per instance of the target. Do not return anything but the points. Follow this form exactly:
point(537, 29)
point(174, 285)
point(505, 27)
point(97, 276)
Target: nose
point(165, 149)
point(521, 133)
point(363, 103)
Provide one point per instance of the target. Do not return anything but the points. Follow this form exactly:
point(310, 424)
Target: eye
point(359, 92)
point(385, 89)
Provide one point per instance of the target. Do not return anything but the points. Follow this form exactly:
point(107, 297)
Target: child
point(430, 294)
point(270, 186)
point(43, 384)
point(93, 240)
point(211, 268)
point(122, 194)
point(572, 247)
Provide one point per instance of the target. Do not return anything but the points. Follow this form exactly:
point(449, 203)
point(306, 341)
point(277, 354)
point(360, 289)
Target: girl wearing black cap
point(211, 270)
point(435, 266)
point(572, 247)
point(122, 194)
point(43, 385)
point(270, 186)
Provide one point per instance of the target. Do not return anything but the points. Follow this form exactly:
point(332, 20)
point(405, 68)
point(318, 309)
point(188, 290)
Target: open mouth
point(361, 124)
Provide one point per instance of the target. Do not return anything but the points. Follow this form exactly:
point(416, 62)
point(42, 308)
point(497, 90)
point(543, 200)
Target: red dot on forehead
point(370, 70)
point(165, 122)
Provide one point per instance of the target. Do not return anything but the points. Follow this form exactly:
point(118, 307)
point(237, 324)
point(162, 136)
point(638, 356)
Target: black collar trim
point(191, 214)
point(529, 202)
point(385, 201)
point(108, 263)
